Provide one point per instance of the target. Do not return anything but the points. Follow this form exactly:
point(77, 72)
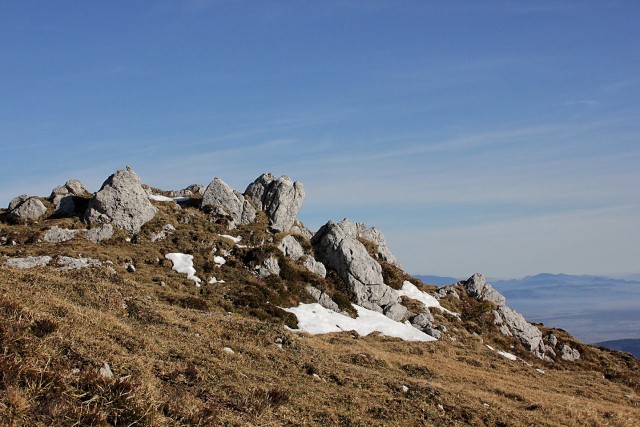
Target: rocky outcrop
point(58, 235)
point(569, 354)
point(190, 191)
point(28, 262)
point(166, 231)
point(69, 263)
point(280, 199)
point(375, 236)
point(221, 199)
point(314, 266)
point(290, 247)
point(269, 267)
point(337, 247)
point(322, 298)
point(98, 234)
point(510, 322)
point(26, 208)
point(66, 198)
point(121, 202)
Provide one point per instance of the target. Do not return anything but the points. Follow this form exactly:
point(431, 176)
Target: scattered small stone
point(131, 268)
point(28, 262)
point(405, 389)
point(228, 350)
point(75, 371)
point(540, 371)
point(105, 371)
point(317, 377)
point(440, 407)
point(486, 405)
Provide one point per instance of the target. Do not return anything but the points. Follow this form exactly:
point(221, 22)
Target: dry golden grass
point(165, 345)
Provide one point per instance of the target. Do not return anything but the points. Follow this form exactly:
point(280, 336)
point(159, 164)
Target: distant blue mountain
point(592, 308)
point(629, 345)
point(437, 280)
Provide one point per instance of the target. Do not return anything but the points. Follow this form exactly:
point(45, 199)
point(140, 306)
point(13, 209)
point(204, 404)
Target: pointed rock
point(337, 247)
point(122, 202)
point(220, 198)
point(280, 199)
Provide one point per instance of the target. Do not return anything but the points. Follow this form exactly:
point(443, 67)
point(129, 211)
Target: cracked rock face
point(510, 322)
point(28, 262)
point(26, 208)
point(280, 199)
point(121, 202)
point(220, 198)
point(290, 247)
point(58, 235)
point(337, 247)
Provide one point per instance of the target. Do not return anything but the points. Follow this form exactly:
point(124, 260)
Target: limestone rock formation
point(374, 235)
point(66, 198)
point(569, 353)
point(220, 198)
point(190, 191)
point(280, 199)
point(314, 266)
point(510, 322)
point(25, 208)
point(58, 235)
point(337, 247)
point(323, 299)
point(269, 267)
point(70, 263)
point(98, 234)
point(28, 262)
point(121, 202)
point(290, 247)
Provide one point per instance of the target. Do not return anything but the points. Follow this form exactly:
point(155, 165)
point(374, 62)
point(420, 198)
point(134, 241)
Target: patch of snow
point(160, 198)
point(233, 239)
point(405, 389)
point(507, 355)
point(411, 291)
point(183, 263)
point(219, 260)
point(315, 319)
point(540, 371)
point(490, 348)
point(213, 280)
point(242, 246)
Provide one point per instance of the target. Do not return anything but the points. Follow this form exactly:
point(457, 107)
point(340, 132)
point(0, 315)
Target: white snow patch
point(507, 355)
point(411, 291)
point(219, 260)
point(540, 371)
point(183, 263)
point(315, 319)
point(160, 198)
point(233, 239)
point(213, 280)
point(405, 389)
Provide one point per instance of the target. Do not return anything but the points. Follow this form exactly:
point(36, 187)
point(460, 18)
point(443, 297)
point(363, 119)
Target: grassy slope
point(165, 347)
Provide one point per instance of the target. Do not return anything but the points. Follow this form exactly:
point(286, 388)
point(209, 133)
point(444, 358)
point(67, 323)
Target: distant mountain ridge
point(627, 345)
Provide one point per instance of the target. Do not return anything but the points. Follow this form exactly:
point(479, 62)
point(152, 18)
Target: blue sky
point(496, 136)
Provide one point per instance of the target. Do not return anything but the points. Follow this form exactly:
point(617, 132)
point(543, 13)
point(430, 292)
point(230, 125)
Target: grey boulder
point(28, 262)
point(220, 198)
point(337, 247)
point(314, 266)
point(569, 354)
point(98, 234)
point(65, 198)
point(70, 263)
point(509, 321)
point(192, 190)
point(280, 199)
point(269, 267)
point(58, 235)
point(26, 208)
point(122, 202)
point(322, 298)
point(290, 247)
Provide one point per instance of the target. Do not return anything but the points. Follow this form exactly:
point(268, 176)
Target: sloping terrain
point(131, 341)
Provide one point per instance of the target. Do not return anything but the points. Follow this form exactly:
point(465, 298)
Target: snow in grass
point(219, 260)
point(213, 280)
point(411, 291)
point(507, 355)
point(235, 239)
point(160, 198)
point(315, 319)
point(183, 263)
